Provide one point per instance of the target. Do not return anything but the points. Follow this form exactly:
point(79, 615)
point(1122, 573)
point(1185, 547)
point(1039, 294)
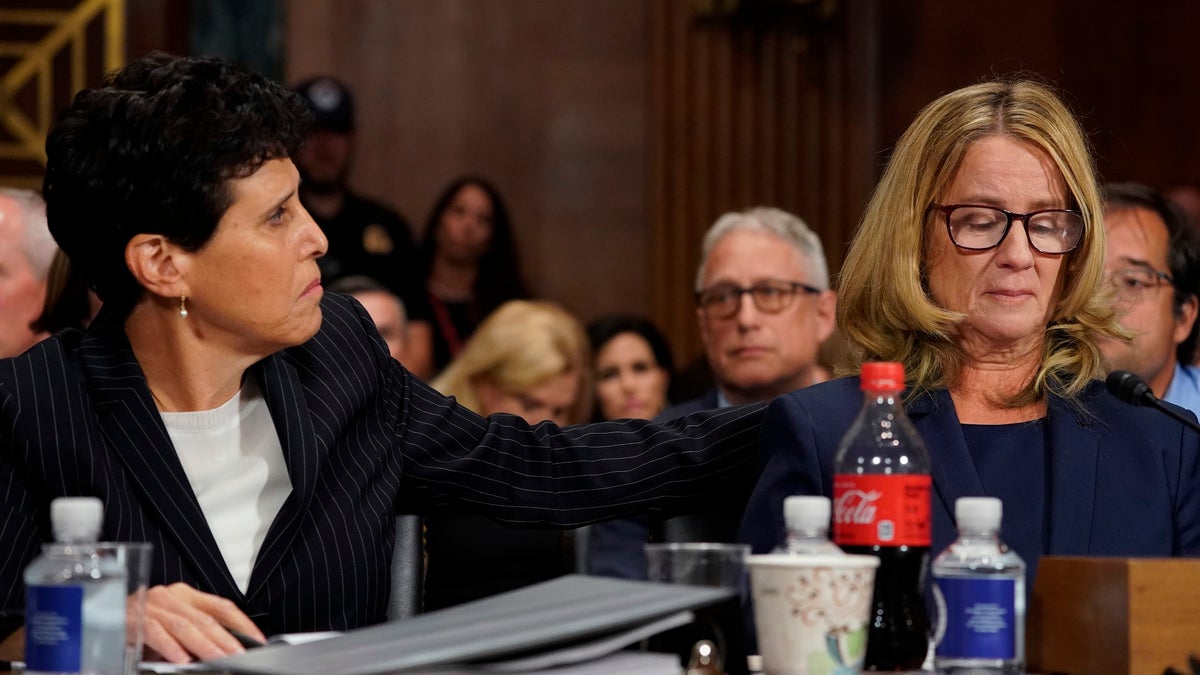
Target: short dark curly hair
point(152, 150)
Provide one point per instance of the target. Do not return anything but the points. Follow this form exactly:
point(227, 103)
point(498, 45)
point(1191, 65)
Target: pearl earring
point(183, 306)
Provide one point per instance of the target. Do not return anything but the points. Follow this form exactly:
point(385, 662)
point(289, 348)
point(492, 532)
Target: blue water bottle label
point(54, 628)
point(981, 617)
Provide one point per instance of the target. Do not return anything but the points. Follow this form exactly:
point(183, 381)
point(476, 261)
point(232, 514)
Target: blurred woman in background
point(471, 264)
point(530, 359)
point(632, 367)
point(69, 302)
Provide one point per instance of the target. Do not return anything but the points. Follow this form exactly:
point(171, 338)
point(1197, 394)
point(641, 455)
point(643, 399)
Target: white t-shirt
point(234, 461)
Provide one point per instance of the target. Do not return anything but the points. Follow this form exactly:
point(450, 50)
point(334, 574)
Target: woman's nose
point(1016, 250)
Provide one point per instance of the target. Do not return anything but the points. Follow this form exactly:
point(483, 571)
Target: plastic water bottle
point(75, 600)
point(979, 588)
point(807, 520)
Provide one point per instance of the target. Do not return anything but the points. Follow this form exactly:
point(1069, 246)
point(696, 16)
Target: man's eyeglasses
point(724, 300)
point(978, 228)
point(1134, 283)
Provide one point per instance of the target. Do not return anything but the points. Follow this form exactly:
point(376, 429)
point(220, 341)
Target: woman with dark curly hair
point(251, 427)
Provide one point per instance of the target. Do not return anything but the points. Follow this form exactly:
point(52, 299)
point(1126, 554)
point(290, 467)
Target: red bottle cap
point(882, 376)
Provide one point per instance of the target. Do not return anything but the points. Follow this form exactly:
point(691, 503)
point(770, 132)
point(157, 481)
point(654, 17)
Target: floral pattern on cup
point(812, 614)
point(829, 596)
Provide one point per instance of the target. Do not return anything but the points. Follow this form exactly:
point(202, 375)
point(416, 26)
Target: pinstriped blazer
point(361, 438)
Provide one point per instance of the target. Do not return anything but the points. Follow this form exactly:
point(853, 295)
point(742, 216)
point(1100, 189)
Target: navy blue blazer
point(362, 440)
point(1121, 480)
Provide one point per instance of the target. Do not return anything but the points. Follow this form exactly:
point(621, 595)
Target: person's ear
point(1185, 318)
point(157, 264)
point(706, 336)
point(826, 314)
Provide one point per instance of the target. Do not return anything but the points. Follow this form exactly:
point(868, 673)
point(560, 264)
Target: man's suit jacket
point(361, 438)
point(709, 401)
point(1121, 481)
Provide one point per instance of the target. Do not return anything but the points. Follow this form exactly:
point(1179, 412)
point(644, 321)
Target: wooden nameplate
point(1102, 616)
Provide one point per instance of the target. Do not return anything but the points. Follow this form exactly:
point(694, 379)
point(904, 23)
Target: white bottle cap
point(804, 512)
point(76, 518)
point(978, 513)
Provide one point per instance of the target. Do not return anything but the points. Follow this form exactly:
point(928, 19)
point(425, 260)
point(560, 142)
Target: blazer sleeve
point(501, 467)
point(792, 467)
point(19, 522)
point(616, 547)
point(566, 476)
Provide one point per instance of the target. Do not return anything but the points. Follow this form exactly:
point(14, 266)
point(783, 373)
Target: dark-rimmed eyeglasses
point(724, 300)
point(978, 228)
point(1135, 282)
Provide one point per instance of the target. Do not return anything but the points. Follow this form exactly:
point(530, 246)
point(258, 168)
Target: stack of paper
point(548, 624)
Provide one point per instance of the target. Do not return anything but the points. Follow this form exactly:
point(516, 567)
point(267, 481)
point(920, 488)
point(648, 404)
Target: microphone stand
point(1133, 390)
point(1176, 415)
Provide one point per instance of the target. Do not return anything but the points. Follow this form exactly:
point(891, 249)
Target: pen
point(247, 641)
point(6, 666)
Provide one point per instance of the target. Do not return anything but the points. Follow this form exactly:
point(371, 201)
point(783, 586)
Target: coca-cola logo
point(856, 507)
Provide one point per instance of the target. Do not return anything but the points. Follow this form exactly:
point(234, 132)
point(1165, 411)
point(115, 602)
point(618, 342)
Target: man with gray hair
point(26, 250)
point(764, 307)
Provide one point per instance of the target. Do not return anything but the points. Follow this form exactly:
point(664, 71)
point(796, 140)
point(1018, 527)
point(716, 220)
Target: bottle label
point(980, 617)
point(881, 510)
point(54, 628)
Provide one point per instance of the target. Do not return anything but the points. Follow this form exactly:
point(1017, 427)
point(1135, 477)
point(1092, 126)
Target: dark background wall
point(619, 130)
point(1130, 70)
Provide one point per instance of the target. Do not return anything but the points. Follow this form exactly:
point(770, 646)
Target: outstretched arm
point(792, 467)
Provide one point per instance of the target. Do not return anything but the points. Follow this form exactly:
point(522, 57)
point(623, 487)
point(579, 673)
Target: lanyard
point(446, 325)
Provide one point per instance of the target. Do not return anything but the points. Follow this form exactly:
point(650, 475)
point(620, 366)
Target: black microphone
point(1133, 390)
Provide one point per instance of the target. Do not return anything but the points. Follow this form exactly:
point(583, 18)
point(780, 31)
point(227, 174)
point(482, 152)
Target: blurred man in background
point(385, 308)
point(1153, 260)
point(365, 237)
point(26, 250)
point(764, 308)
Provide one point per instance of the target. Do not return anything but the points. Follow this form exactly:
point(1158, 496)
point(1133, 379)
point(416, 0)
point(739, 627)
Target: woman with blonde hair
point(978, 265)
point(530, 359)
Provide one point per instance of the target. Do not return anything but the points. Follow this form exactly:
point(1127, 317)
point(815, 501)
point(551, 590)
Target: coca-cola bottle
point(881, 502)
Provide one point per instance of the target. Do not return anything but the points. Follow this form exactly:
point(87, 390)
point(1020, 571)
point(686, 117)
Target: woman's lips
point(1011, 294)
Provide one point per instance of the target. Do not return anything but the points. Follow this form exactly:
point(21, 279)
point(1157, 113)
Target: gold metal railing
point(44, 71)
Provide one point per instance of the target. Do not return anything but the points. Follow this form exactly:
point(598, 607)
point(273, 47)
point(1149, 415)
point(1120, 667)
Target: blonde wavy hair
point(518, 347)
point(884, 306)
